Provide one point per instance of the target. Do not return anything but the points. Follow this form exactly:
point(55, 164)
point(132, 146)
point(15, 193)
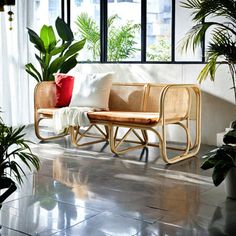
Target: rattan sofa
point(138, 109)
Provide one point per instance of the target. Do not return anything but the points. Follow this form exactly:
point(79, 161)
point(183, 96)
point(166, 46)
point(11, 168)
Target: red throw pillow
point(64, 88)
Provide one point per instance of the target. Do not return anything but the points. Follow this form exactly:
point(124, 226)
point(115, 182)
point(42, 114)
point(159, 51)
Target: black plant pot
point(6, 183)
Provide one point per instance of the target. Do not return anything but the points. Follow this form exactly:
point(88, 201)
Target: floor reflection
point(223, 220)
point(91, 192)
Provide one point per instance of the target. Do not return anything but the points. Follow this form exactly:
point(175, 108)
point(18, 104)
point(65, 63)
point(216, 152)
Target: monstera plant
point(223, 158)
point(54, 55)
point(14, 151)
point(223, 162)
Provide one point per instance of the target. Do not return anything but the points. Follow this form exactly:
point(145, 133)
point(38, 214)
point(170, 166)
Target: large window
point(159, 20)
point(85, 22)
point(183, 24)
point(126, 30)
point(123, 31)
point(46, 12)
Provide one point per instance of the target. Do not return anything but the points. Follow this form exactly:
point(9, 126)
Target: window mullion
point(63, 9)
point(103, 30)
point(68, 12)
point(143, 30)
point(173, 32)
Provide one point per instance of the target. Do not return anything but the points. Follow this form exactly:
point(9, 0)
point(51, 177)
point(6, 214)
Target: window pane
point(85, 23)
point(159, 30)
point(183, 24)
point(124, 24)
point(46, 12)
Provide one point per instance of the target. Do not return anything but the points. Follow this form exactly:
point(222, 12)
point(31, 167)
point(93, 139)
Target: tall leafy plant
point(14, 151)
point(54, 55)
point(121, 39)
point(222, 41)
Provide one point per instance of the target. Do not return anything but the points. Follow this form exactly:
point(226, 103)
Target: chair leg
point(77, 136)
point(115, 143)
point(39, 136)
point(186, 152)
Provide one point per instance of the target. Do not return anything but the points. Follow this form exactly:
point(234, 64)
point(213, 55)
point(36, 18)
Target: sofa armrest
point(184, 100)
point(45, 95)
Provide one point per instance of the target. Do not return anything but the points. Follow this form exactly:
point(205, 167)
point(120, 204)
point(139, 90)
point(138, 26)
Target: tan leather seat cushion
point(47, 111)
point(142, 118)
point(125, 117)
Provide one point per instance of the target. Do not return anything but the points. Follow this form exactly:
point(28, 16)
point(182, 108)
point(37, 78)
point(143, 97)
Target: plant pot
point(6, 183)
point(230, 184)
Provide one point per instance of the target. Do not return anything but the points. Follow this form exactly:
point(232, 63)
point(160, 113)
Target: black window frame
point(65, 9)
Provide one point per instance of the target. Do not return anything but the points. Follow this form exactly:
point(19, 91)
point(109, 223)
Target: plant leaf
point(48, 37)
point(74, 48)
point(64, 30)
point(220, 171)
point(69, 64)
point(60, 49)
point(233, 125)
point(36, 40)
point(30, 67)
point(230, 137)
point(56, 64)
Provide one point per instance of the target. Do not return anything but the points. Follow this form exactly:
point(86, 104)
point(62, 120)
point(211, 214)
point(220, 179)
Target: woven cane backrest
point(152, 98)
point(45, 95)
point(177, 100)
point(127, 97)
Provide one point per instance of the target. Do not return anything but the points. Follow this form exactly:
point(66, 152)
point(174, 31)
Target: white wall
point(218, 107)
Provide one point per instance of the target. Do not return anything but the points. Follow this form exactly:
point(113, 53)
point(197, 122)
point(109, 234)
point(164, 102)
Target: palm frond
point(201, 9)
point(88, 28)
point(112, 19)
point(194, 36)
point(15, 148)
point(209, 69)
point(223, 44)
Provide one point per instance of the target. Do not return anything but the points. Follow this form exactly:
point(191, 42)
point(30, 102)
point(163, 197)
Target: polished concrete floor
point(92, 192)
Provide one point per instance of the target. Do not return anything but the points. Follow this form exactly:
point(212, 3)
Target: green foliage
point(121, 39)
point(160, 51)
point(90, 31)
point(54, 55)
point(14, 148)
point(222, 42)
point(223, 158)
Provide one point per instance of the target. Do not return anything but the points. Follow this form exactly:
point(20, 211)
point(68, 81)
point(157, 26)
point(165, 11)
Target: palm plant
point(14, 148)
point(90, 31)
point(54, 55)
point(222, 43)
point(121, 40)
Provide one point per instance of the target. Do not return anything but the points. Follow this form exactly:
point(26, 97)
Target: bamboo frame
point(190, 149)
point(39, 117)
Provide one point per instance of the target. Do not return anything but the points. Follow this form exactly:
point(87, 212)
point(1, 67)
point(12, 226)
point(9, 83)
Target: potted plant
point(54, 55)
point(221, 48)
point(223, 160)
point(14, 148)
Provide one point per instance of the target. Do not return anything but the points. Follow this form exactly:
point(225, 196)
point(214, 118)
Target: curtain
point(16, 88)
